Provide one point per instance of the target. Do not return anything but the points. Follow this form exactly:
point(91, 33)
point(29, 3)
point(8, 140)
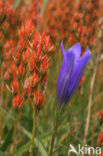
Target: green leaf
point(37, 141)
point(43, 6)
point(7, 140)
point(23, 149)
point(3, 154)
point(16, 3)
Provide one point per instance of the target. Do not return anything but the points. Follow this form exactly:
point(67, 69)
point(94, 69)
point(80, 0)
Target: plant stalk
point(34, 129)
point(15, 132)
point(56, 122)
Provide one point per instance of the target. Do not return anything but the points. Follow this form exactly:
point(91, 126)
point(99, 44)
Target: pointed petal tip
point(62, 44)
point(76, 49)
point(88, 51)
point(78, 43)
point(62, 48)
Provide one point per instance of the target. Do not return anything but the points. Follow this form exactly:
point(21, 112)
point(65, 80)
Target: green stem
point(15, 132)
point(34, 129)
point(53, 138)
point(4, 115)
point(55, 127)
point(1, 101)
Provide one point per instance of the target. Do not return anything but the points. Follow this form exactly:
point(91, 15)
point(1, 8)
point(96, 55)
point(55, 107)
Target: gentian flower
point(71, 72)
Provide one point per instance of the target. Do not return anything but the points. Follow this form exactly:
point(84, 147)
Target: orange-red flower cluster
point(30, 62)
point(101, 116)
point(25, 54)
point(90, 14)
point(73, 21)
point(101, 154)
point(58, 19)
point(82, 80)
point(100, 139)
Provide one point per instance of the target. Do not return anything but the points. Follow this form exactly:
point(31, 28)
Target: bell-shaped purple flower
point(71, 72)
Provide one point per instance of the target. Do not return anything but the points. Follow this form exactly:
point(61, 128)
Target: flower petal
point(77, 72)
point(76, 49)
point(64, 76)
point(71, 72)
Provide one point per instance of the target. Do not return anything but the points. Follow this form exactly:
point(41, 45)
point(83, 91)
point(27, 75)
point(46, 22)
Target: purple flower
point(71, 72)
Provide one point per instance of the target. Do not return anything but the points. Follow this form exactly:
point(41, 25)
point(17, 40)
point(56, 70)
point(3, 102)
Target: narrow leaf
point(37, 142)
point(43, 7)
point(23, 149)
point(16, 3)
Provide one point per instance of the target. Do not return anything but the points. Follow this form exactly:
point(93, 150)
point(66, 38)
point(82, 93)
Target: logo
point(84, 150)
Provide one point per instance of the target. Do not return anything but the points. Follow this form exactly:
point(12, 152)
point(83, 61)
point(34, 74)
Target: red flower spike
point(17, 57)
point(75, 25)
point(15, 86)
point(43, 38)
point(7, 56)
point(38, 99)
point(46, 43)
point(17, 101)
point(44, 64)
point(44, 79)
point(29, 27)
point(100, 139)
point(21, 70)
point(22, 31)
point(12, 67)
point(71, 39)
point(87, 18)
point(32, 63)
point(22, 43)
point(6, 76)
point(24, 53)
point(34, 79)
point(100, 154)
point(101, 116)
point(82, 80)
point(26, 87)
point(26, 56)
point(36, 41)
point(90, 6)
point(39, 54)
point(51, 48)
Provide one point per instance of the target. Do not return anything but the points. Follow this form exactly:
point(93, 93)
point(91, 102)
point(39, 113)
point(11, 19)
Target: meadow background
point(71, 21)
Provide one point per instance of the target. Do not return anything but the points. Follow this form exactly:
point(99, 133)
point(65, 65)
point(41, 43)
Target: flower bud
point(39, 54)
point(100, 139)
point(7, 75)
point(26, 88)
point(71, 39)
point(26, 56)
point(32, 63)
point(17, 57)
point(17, 102)
point(44, 79)
point(15, 86)
point(44, 64)
point(22, 43)
point(38, 98)
point(82, 80)
point(36, 41)
point(12, 67)
point(101, 116)
point(34, 79)
point(46, 43)
point(43, 38)
point(20, 70)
